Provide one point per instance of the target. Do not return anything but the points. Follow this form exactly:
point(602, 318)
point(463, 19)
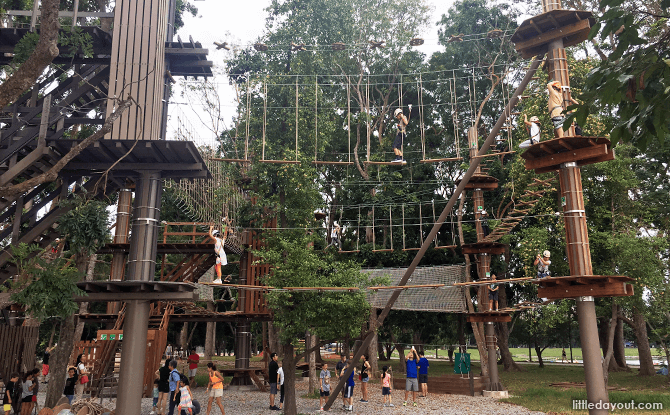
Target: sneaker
point(391, 405)
point(364, 401)
point(415, 404)
point(217, 281)
point(351, 408)
point(321, 410)
point(385, 405)
point(403, 161)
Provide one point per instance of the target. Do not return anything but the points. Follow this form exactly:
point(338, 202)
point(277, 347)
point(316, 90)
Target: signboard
point(110, 334)
point(563, 202)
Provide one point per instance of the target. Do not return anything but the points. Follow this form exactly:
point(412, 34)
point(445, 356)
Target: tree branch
point(52, 174)
point(45, 52)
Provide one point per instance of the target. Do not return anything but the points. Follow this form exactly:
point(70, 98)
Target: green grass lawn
point(521, 354)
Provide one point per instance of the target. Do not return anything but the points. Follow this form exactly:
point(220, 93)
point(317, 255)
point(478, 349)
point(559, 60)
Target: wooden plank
point(503, 281)
point(568, 156)
point(619, 289)
point(441, 160)
point(336, 163)
point(542, 39)
point(505, 318)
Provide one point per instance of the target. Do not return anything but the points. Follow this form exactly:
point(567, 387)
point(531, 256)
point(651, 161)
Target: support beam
point(514, 99)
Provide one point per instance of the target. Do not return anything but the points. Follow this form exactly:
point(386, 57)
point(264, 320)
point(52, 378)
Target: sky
point(241, 23)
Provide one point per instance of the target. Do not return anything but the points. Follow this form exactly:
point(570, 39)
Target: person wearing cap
point(543, 263)
point(556, 106)
point(219, 244)
point(533, 127)
point(335, 237)
point(400, 137)
point(485, 223)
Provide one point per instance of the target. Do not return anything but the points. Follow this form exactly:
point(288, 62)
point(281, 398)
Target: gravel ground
point(257, 403)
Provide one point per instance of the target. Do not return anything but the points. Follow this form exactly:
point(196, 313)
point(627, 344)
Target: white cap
point(546, 253)
point(396, 112)
point(534, 119)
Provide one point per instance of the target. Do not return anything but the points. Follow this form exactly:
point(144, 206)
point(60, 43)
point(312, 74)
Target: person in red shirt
point(193, 360)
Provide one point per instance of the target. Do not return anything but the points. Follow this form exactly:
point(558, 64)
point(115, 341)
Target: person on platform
point(493, 293)
point(387, 386)
point(423, 374)
point(485, 223)
point(543, 263)
point(555, 90)
point(193, 360)
point(411, 383)
point(273, 372)
point(215, 388)
point(335, 237)
point(324, 385)
point(401, 135)
point(533, 128)
point(219, 247)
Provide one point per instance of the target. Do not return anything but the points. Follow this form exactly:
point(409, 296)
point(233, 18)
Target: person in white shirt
point(280, 381)
point(533, 127)
point(219, 247)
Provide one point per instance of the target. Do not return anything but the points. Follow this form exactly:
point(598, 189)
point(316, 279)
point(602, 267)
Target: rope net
point(443, 299)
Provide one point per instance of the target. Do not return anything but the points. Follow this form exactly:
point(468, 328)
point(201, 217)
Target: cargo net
point(210, 200)
point(442, 299)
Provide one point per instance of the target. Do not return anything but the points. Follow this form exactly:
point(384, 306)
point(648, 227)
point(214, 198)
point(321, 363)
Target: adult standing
point(193, 360)
point(215, 388)
point(273, 378)
point(168, 353)
point(365, 377)
point(27, 394)
point(423, 374)
point(163, 375)
point(83, 376)
point(411, 383)
point(338, 370)
point(173, 382)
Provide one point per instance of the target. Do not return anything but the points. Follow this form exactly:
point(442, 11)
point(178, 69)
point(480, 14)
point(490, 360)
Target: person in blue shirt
point(174, 379)
point(349, 391)
point(423, 374)
point(411, 384)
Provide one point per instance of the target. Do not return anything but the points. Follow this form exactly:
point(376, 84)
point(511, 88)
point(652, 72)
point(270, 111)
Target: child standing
point(324, 391)
point(185, 402)
point(155, 405)
point(70, 383)
point(387, 386)
point(9, 397)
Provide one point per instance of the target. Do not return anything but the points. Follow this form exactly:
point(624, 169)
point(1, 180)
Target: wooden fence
point(17, 348)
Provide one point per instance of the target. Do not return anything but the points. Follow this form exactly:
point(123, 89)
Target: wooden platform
point(500, 281)
point(489, 317)
point(448, 384)
point(533, 35)
point(493, 248)
point(548, 155)
point(480, 181)
point(257, 376)
point(583, 286)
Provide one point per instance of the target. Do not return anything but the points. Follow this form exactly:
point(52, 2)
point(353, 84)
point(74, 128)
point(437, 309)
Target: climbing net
point(446, 298)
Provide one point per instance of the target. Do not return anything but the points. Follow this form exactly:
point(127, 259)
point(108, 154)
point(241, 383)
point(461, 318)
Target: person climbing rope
point(533, 128)
point(543, 263)
point(219, 247)
point(402, 133)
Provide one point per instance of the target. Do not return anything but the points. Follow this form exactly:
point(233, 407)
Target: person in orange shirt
point(215, 388)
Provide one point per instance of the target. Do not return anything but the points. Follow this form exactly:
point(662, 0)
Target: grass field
point(521, 354)
point(531, 389)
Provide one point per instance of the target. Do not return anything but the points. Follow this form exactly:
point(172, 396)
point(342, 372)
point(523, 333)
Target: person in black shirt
point(70, 383)
point(273, 370)
point(338, 369)
point(9, 399)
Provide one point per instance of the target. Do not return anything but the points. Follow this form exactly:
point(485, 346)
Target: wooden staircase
point(527, 201)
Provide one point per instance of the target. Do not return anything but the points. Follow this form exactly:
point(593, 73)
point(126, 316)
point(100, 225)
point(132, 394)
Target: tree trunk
point(610, 341)
point(509, 365)
point(643, 349)
point(183, 336)
point(477, 329)
point(374, 345)
point(460, 330)
point(346, 349)
point(538, 351)
point(187, 348)
point(83, 307)
point(311, 360)
point(288, 362)
point(401, 354)
point(418, 342)
point(380, 351)
point(59, 361)
point(620, 347)
point(210, 336)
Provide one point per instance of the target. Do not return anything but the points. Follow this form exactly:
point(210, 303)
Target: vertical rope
point(421, 125)
point(454, 110)
point(265, 116)
point(246, 141)
point(403, 226)
point(391, 226)
point(434, 220)
point(373, 229)
point(367, 112)
point(349, 116)
point(358, 228)
point(420, 224)
point(296, 118)
point(316, 116)
point(402, 135)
